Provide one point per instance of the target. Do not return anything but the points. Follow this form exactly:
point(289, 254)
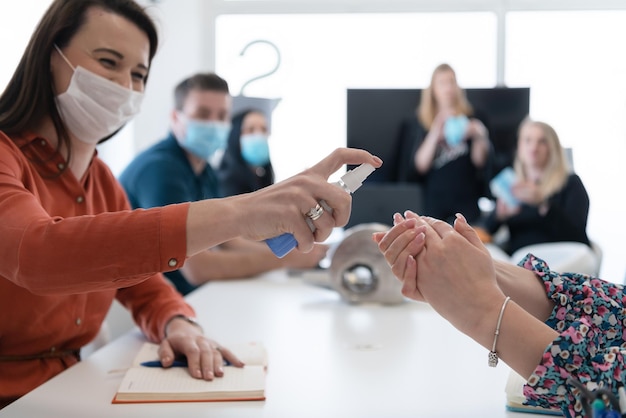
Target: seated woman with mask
point(246, 165)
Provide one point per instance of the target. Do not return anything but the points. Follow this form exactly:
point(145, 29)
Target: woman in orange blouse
point(69, 242)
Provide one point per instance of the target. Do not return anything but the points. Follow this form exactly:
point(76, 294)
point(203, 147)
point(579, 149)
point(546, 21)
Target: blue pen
point(157, 363)
point(176, 363)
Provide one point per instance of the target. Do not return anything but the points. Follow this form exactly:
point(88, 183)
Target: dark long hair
point(29, 97)
point(236, 175)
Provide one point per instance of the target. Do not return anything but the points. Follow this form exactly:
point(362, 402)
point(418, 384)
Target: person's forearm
point(228, 264)
point(525, 288)
point(426, 153)
point(522, 338)
point(480, 151)
point(210, 223)
point(241, 244)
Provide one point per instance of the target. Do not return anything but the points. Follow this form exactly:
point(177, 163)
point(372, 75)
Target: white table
point(326, 359)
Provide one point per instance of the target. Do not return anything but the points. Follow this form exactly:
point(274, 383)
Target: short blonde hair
point(428, 107)
point(557, 170)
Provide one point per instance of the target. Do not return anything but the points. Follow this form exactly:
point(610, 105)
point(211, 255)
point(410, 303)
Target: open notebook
point(155, 384)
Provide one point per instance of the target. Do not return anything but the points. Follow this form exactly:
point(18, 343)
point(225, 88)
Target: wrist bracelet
point(493, 355)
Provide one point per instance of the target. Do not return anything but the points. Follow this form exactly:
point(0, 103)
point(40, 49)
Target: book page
point(176, 383)
point(514, 388)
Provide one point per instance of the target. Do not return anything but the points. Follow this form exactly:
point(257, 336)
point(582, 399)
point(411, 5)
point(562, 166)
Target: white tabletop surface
point(326, 359)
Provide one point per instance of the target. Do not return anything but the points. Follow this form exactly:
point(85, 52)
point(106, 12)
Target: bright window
point(323, 55)
point(17, 20)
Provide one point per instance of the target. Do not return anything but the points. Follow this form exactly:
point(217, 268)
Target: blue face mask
point(454, 129)
point(205, 138)
point(255, 149)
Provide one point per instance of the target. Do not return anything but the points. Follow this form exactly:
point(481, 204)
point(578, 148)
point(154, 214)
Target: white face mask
point(94, 107)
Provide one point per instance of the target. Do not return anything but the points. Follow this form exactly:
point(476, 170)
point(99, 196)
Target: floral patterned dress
point(590, 316)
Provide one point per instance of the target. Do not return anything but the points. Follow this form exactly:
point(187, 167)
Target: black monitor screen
point(375, 116)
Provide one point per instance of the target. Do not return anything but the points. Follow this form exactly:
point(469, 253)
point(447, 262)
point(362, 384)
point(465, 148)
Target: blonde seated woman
point(550, 217)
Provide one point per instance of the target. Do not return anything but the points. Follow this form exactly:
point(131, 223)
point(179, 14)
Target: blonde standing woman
point(451, 149)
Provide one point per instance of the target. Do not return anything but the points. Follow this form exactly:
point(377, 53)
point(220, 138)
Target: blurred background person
point(246, 165)
point(552, 204)
point(451, 150)
point(181, 168)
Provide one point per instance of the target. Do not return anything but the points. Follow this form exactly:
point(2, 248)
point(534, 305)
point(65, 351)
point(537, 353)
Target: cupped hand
point(399, 246)
point(281, 208)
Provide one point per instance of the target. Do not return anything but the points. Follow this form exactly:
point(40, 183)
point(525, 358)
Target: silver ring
point(315, 213)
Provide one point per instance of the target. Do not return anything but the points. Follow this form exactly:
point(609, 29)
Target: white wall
point(181, 25)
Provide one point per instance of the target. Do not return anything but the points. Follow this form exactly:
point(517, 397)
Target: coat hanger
point(263, 75)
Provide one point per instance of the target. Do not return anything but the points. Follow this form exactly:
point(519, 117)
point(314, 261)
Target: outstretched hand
point(280, 208)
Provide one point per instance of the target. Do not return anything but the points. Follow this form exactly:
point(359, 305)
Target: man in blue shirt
point(180, 168)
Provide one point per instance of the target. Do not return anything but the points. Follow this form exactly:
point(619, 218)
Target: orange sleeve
point(140, 300)
point(76, 252)
point(86, 253)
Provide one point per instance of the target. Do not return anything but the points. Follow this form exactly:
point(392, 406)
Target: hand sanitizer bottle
point(350, 182)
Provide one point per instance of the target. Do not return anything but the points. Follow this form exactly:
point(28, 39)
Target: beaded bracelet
point(493, 355)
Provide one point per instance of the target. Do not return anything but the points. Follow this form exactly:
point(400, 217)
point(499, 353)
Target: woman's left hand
point(205, 357)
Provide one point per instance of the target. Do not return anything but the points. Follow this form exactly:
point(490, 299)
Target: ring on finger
point(315, 213)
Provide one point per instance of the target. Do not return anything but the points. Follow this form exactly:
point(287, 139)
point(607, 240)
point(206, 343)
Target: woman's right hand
point(281, 208)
